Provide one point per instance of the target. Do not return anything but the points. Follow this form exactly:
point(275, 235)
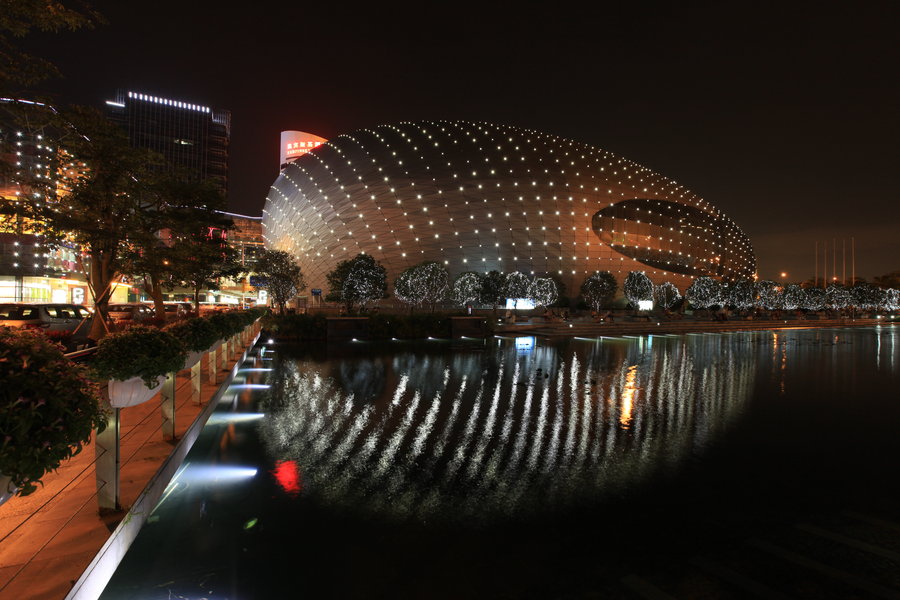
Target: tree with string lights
point(837, 296)
point(866, 296)
point(515, 286)
point(543, 291)
point(741, 294)
point(637, 288)
point(891, 299)
point(598, 289)
point(466, 288)
point(793, 296)
point(666, 295)
point(362, 280)
point(425, 283)
point(767, 295)
point(813, 299)
point(704, 292)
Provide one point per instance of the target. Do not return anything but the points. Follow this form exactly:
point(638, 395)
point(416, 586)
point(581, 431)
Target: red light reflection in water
point(287, 475)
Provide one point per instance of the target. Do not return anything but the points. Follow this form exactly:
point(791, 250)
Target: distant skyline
point(783, 115)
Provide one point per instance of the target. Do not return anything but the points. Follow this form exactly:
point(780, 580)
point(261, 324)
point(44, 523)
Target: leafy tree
point(336, 278)
point(492, 289)
point(767, 295)
point(543, 291)
point(466, 288)
point(889, 280)
point(425, 283)
point(201, 258)
point(705, 292)
point(515, 286)
point(278, 272)
point(599, 288)
point(18, 18)
point(107, 203)
point(666, 294)
point(365, 281)
point(637, 287)
point(175, 208)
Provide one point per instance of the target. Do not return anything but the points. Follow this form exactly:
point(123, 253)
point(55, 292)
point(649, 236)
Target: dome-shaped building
point(478, 197)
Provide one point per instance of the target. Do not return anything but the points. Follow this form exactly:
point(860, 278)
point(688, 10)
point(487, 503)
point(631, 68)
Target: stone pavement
point(47, 539)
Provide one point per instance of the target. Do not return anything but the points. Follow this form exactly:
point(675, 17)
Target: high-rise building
point(193, 138)
point(33, 169)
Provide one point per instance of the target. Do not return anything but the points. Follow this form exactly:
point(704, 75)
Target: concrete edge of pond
point(100, 570)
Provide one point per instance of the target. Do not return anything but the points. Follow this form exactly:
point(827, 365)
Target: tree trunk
point(101, 283)
point(153, 288)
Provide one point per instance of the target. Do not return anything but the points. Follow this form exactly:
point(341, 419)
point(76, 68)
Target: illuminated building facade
point(33, 170)
point(479, 197)
point(246, 238)
point(193, 138)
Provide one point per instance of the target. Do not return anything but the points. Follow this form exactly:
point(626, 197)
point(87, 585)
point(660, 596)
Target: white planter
point(7, 489)
point(131, 392)
point(192, 359)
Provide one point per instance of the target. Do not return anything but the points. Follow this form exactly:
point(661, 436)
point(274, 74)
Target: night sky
point(783, 115)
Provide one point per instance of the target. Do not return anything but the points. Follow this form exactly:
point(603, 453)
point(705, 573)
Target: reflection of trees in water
point(505, 430)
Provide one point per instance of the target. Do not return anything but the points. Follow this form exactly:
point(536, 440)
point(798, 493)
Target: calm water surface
point(518, 467)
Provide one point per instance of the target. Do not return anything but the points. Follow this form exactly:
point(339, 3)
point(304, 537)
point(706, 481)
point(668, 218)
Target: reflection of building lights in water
point(628, 397)
point(212, 474)
point(525, 344)
point(288, 477)
point(520, 432)
point(227, 418)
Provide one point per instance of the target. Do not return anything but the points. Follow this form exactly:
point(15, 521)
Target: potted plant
point(197, 335)
point(48, 408)
point(135, 362)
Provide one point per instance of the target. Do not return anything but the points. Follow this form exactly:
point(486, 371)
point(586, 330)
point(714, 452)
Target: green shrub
point(221, 323)
point(196, 334)
point(48, 407)
point(144, 352)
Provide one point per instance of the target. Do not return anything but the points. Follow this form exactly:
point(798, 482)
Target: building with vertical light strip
point(192, 137)
point(481, 197)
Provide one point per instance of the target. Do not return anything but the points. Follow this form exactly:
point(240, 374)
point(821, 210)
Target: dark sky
point(784, 115)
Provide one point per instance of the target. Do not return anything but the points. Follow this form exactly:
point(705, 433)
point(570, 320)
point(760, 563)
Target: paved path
point(47, 539)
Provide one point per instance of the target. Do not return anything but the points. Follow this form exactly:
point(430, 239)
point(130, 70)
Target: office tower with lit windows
point(193, 138)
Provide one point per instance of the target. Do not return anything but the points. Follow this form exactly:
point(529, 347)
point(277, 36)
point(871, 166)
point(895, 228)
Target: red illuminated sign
point(295, 149)
point(295, 144)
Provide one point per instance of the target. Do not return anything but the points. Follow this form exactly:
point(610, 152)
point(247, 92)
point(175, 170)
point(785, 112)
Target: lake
point(526, 467)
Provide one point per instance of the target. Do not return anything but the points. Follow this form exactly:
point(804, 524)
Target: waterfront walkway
point(47, 539)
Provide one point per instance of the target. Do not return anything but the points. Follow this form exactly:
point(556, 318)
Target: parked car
point(177, 310)
point(134, 312)
point(59, 319)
